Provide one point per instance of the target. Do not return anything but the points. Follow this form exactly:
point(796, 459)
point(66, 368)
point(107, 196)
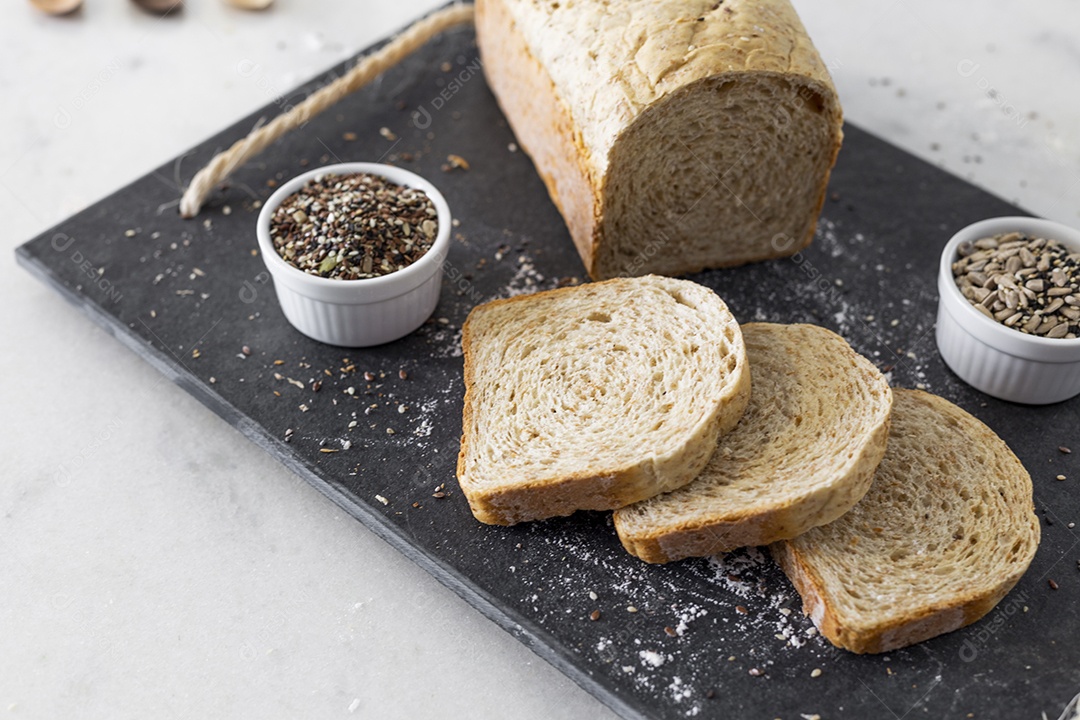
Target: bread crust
point(918, 623)
point(915, 626)
point(584, 490)
point(542, 122)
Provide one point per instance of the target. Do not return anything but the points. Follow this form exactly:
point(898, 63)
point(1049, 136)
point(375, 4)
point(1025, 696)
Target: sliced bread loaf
point(594, 397)
point(947, 529)
point(803, 454)
point(673, 135)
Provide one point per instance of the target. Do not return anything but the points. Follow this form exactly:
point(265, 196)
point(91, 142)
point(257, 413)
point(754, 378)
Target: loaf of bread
point(673, 135)
point(596, 396)
point(947, 529)
point(803, 454)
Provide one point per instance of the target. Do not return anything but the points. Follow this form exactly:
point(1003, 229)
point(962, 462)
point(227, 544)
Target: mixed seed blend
point(355, 226)
point(1028, 284)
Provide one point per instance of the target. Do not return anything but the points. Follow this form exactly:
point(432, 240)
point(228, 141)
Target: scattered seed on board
point(1053, 585)
point(369, 376)
point(670, 631)
point(1064, 450)
point(755, 672)
point(456, 161)
point(816, 672)
point(631, 609)
point(1060, 477)
point(352, 227)
point(594, 615)
point(403, 375)
point(245, 350)
point(1028, 284)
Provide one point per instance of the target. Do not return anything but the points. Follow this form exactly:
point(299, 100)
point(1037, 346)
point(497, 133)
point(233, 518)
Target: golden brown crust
point(541, 121)
point(915, 626)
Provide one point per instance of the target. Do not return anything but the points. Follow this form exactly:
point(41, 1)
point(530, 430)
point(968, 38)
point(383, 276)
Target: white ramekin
point(998, 360)
point(369, 311)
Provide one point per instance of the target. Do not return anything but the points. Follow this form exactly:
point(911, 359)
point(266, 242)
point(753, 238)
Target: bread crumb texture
point(946, 530)
point(595, 396)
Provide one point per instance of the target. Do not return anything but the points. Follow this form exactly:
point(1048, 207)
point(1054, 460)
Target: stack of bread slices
point(896, 515)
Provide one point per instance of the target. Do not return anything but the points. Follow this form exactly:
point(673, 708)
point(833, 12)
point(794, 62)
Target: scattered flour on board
point(739, 573)
point(887, 330)
point(652, 658)
point(679, 691)
point(447, 342)
point(526, 279)
point(740, 600)
point(426, 411)
point(686, 616)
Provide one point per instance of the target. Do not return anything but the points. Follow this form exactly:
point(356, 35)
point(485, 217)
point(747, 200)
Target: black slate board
point(875, 254)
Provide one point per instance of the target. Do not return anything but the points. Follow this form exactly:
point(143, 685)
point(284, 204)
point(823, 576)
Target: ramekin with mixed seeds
point(353, 226)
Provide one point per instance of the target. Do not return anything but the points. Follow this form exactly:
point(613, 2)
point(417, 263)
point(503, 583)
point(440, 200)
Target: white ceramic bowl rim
point(990, 331)
point(365, 289)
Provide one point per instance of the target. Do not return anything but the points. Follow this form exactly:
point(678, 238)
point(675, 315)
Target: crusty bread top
point(803, 454)
point(595, 396)
point(947, 528)
point(643, 50)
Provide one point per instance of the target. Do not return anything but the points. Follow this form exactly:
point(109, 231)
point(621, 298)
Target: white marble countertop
point(157, 564)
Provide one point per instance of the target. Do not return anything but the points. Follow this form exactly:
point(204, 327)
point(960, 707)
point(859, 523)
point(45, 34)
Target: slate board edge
point(540, 642)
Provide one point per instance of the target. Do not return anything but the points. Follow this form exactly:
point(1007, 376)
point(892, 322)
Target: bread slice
point(803, 454)
point(596, 396)
point(673, 135)
point(947, 529)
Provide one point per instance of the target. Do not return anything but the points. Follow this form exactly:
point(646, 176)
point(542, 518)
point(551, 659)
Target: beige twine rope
point(367, 69)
